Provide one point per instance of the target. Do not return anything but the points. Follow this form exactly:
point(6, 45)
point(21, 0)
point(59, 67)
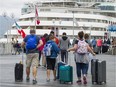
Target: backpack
point(31, 42)
point(47, 49)
point(82, 47)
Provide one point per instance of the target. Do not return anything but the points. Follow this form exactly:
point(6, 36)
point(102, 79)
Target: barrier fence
point(5, 48)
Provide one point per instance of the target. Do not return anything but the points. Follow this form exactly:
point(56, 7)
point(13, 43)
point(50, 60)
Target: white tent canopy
point(5, 40)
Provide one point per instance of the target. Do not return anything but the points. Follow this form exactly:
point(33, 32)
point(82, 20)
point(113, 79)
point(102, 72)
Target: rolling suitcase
point(98, 71)
point(94, 70)
point(66, 74)
point(101, 72)
point(18, 71)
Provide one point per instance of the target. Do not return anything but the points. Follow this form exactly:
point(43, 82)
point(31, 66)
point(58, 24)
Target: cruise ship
point(70, 16)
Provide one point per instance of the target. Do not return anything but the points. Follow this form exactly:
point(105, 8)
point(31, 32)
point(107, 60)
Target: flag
point(18, 27)
point(20, 30)
point(23, 33)
point(36, 15)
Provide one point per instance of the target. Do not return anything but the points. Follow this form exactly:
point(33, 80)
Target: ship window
point(45, 10)
point(41, 9)
point(24, 10)
point(107, 7)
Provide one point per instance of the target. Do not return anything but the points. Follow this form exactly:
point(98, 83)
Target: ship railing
point(53, 5)
point(59, 0)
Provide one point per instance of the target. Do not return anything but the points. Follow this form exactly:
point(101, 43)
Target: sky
point(12, 7)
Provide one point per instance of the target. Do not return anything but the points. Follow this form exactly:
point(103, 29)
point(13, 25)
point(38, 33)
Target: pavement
point(7, 64)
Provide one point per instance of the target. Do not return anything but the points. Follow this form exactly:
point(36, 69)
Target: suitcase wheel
point(60, 81)
point(18, 80)
point(93, 83)
point(100, 83)
point(71, 82)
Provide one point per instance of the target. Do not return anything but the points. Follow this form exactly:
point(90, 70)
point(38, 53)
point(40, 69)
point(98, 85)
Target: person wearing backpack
point(32, 42)
point(51, 51)
point(81, 49)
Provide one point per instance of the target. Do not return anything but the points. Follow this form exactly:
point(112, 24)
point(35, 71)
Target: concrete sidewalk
point(7, 64)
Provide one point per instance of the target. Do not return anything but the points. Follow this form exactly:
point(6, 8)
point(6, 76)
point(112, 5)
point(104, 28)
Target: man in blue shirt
point(32, 54)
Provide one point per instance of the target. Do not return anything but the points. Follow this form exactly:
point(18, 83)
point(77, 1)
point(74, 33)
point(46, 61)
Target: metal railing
point(5, 48)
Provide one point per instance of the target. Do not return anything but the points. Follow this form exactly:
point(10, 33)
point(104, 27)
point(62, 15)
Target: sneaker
point(39, 65)
point(84, 80)
point(54, 79)
point(34, 82)
point(48, 80)
point(27, 79)
point(79, 82)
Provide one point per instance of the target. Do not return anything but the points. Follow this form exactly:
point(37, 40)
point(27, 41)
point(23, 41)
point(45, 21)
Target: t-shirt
point(99, 42)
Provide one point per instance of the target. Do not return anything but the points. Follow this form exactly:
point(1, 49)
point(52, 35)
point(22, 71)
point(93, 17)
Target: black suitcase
point(18, 72)
point(101, 72)
point(98, 71)
point(94, 63)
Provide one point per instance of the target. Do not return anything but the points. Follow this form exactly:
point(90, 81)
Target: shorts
point(51, 63)
point(32, 59)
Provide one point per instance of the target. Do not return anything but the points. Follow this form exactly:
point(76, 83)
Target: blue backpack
point(31, 42)
point(47, 49)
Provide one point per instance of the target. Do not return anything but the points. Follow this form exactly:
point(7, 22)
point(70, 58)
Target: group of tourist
point(82, 46)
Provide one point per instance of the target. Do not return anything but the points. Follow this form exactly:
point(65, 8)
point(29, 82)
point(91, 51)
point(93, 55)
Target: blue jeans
point(81, 67)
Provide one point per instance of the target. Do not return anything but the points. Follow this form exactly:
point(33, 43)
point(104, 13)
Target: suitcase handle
point(91, 56)
point(22, 55)
point(69, 59)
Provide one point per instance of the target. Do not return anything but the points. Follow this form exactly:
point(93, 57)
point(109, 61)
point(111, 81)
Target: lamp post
point(90, 31)
point(53, 20)
point(8, 34)
point(6, 46)
point(12, 17)
point(73, 23)
point(60, 21)
point(35, 16)
point(83, 28)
